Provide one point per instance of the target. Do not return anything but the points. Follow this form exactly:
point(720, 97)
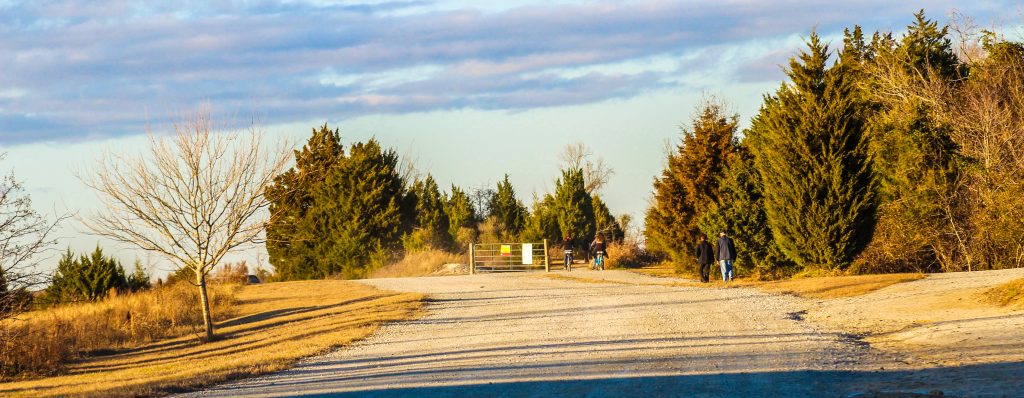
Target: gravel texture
point(524, 335)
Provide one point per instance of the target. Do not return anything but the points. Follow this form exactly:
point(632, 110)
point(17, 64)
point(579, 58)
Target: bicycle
point(599, 260)
point(568, 260)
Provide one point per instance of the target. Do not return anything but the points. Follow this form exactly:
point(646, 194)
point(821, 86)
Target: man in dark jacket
point(726, 253)
point(705, 256)
point(567, 250)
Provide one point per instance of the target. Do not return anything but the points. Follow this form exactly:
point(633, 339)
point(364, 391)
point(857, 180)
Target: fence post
point(472, 260)
point(547, 268)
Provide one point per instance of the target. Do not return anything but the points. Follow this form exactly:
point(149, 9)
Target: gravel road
point(524, 335)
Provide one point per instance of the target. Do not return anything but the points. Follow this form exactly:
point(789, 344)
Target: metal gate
point(508, 257)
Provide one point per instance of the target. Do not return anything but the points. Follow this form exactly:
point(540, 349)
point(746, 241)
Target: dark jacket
point(704, 252)
point(596, 246)
point(725, 250)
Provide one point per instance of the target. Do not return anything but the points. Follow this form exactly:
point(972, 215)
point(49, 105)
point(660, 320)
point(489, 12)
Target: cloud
point(74, 70)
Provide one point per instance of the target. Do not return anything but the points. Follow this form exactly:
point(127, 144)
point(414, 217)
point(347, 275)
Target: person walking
point(726, 254)
point(598, 248)
point(567, 250)
point(705, 256)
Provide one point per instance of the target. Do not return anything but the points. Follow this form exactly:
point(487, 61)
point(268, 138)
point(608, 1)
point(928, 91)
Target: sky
point(468, 90)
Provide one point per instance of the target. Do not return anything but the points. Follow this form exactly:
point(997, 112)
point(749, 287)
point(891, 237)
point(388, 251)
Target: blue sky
point(469, 91)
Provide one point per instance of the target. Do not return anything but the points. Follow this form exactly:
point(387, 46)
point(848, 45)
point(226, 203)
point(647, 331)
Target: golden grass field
point(273, 325)
point(44, 342)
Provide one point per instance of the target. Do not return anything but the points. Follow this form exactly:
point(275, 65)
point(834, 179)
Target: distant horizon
point(469, 92)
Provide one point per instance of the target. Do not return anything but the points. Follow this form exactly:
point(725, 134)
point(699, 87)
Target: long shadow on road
point(989, 380)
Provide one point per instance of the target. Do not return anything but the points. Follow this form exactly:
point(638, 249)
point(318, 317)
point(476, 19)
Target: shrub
point(625, 254)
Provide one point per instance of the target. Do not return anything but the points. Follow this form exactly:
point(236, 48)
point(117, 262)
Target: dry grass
point(1010, 294)
point(661, 270)
point(834, 286)
point(558, 277)
point(275, 324)
point(42, 342)
point(420, 263)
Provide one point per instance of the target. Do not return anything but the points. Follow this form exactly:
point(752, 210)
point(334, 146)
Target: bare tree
point(198, 195)
point(979, 210)
point(24, 235)
point(595, 172)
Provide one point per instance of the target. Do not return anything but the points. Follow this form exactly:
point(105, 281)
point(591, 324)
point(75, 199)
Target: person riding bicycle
point(598, 248)
point(567, 249)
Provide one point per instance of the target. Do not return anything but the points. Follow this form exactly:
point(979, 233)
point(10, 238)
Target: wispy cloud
point(77, 69)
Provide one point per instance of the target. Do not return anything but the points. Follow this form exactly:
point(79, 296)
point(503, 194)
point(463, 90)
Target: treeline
point(346, 213)
point(895, 153)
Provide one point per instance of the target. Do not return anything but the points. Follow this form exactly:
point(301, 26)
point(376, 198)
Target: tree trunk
point(204, 301)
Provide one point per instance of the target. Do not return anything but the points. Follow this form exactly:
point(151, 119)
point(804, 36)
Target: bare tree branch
point(596, 173)
point(24, 236)
point(197, 196)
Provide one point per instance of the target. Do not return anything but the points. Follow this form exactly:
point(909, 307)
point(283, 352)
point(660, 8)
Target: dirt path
point(629, 335)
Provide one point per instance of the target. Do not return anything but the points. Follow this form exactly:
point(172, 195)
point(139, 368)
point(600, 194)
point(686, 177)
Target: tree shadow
point(240, 327)
point(974, 380)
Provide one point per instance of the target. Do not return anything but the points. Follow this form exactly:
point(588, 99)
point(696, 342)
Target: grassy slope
point(277, 324)
point(1010, 294)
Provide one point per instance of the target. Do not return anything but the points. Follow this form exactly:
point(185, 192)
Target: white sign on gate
point(527, 253)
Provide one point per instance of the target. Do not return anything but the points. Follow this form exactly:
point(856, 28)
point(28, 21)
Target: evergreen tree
point(856, 51)
point(543, 221)
point(291, 234)
point(574, 206)
point(929, 50)
point(334, 214)
point(688, 186)
point(813, 160)
point(361, 212)
point(139, 279)
point(101, 275)
point(462, 217)
point(61, 286)
point(605, 222)
point(508, 210)
point(432, 223)
point(89, 278)
point(666, 220)
point(704, 155)
point(740, 211)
